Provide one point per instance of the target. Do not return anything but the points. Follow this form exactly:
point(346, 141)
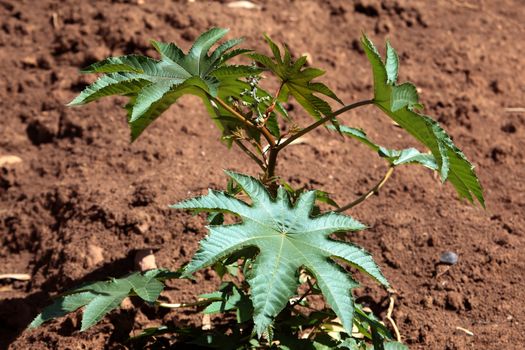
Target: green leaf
point(154, 85)
point(409, 156)
point(324, 197)
point(111, 84)
point(228, 298)
point(100, 306)
point(394, 157)
point(231, 54)
point(350, 344)
point(61, 307)
point(197, 60)
point(218, 55)
point(100, 298)
point(288, 238)
point(138, 123)
point(391, 64)
point(394, 345)
point(235, 90)
point(273, 125)
point(371, 321)
point(146, 286)
point(404, 95)
point(234, 71)
point(399, 102)
point(357, 134)
point(297, 80)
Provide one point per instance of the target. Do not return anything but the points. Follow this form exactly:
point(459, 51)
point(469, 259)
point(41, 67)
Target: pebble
point(454, 301)
point(145, 260)
point(126, 304)
point(9, 160)
point(428, 301)
point(449, 258)
point(95, 255)
point(29, 61)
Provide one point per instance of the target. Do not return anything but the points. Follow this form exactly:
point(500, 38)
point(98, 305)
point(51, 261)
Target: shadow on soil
point(17, 313)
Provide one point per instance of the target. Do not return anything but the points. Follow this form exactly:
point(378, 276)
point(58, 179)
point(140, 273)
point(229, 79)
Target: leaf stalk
point(369, 193)
point(322, 121)
point(264, 131)
point(250, 154)
point(274, 150)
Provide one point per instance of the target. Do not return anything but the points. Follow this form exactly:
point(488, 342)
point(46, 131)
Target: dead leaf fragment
point(206, 322)
point(15, 276)
point(464, 330)
point(243, 5)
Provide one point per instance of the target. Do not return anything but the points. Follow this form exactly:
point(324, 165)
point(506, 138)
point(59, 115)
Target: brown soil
point(83, 199)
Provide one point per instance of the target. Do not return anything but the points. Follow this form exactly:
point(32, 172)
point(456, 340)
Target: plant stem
point(250, 154)
point(310, 287)
point(369, 193)
point(272, 162)
point(274, 151)
point(322, 121)
point(264, 131)
point(391, 320)
point(274, 101)
point(179, 305)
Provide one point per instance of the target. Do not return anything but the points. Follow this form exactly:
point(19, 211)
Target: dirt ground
point(83, 199)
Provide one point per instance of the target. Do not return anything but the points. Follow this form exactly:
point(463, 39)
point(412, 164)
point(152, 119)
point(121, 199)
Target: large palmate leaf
point(400, 102)
point(288, 238)
point(297, 80)
point(100, 298)
point(154, 85)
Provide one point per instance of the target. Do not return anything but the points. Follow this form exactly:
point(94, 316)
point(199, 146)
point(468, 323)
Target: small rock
point(126, 304)
point(439, 300)
point(142, 228)
point(9, 160)
point(428, 301)
point(454, 301)
point(138, 221)
point(95, 255)
point(29, 61)
point(449, 258)
point(145, 260)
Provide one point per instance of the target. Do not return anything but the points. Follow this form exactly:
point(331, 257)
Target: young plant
point(281, 251)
